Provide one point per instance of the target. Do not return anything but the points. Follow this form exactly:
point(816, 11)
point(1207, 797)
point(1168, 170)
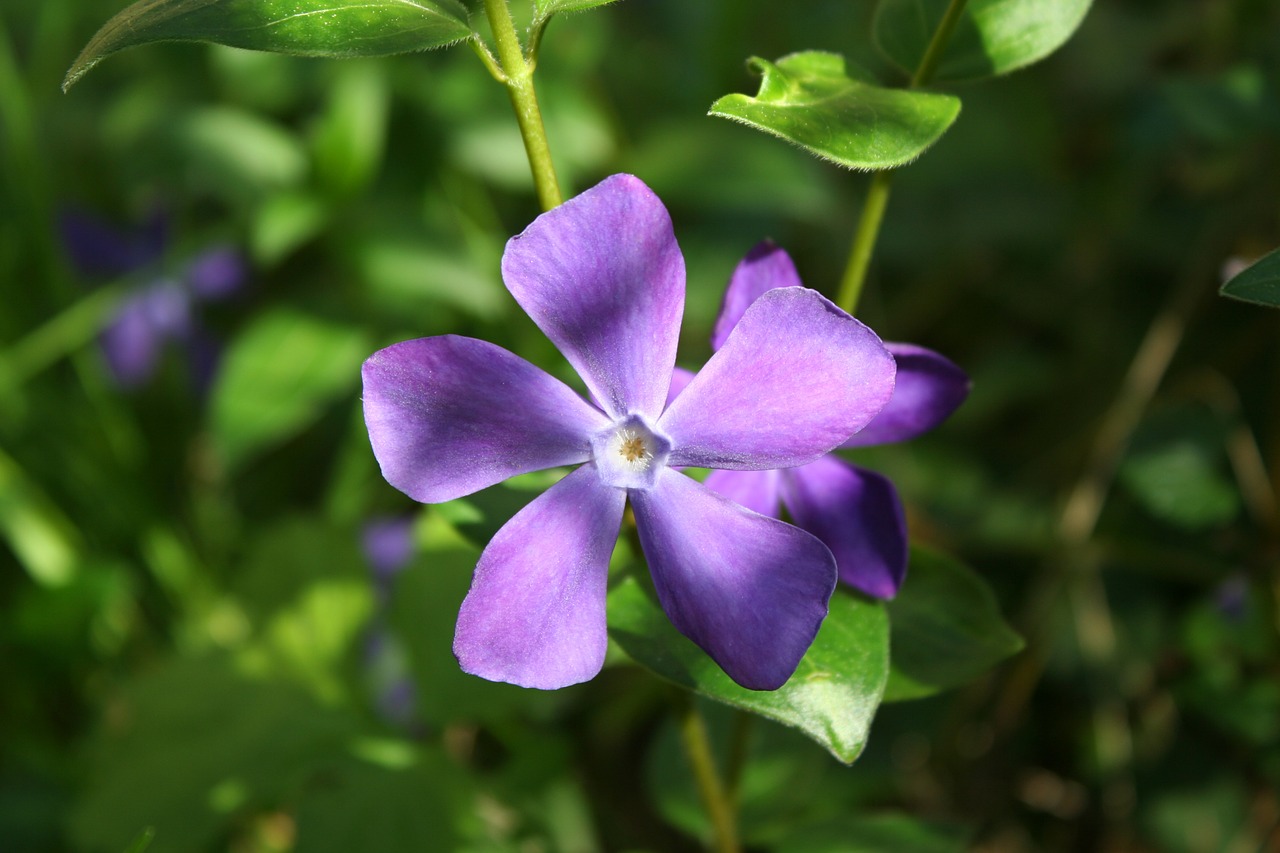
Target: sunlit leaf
point(331, 28)
point(277, 378)
point(813, 100)
point(946, 628)
point(1259, 283)
point(832, 696)
point(992, 37)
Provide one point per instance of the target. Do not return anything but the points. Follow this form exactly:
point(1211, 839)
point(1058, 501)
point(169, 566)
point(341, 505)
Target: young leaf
point(332, 28)
point(946, 628)
point(811, 100)
point(832, 696)
point(992, 37)
point(1259, 284)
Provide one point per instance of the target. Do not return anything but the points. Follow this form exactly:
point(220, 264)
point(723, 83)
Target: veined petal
point(795, 378)
point(755, 490)
point(857, 514)
point(929, 388)
point(765, 267)
point(450, 415)
point(535, 615)
point(750, 590)
point(603, 277)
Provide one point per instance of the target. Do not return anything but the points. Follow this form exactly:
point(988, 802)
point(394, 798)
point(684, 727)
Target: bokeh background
point(218, 620)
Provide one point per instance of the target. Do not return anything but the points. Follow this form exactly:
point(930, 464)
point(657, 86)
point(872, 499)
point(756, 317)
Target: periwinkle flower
point(603, 277)
point(162, 308)
point(856, 512)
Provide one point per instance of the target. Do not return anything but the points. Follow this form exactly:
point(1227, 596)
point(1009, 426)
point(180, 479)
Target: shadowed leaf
point(992, 37)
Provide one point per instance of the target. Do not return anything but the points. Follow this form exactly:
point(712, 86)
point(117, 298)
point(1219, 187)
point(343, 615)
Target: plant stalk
point(715, 798)
point(873, 207)
point(518, 78)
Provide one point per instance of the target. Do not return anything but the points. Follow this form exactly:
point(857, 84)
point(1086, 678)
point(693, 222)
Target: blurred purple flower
point(162, 307)
point(857, 513)
point(603, 277)
point(388, 547)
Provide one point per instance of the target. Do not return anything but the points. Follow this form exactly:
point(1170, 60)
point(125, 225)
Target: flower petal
point(98, 249)
point(535, 615)
point(603, 277)
point(857, 514)
point(450, 415)
point(132, 342)
point(750, 590)
point(929, 388)
point(795, 378)
point(216, 273)
point(765, 267)
point(755, 490)
point(680, 379)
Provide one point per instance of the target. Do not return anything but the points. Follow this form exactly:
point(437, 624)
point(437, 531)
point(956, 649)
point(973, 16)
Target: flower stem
point(517, 74)
point(864, 238)
point(715, 799)
point(864, 241)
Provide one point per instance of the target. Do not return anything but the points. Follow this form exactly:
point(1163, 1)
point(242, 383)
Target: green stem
point(739, 752)
point(693, 731)
point(517, 75)
point(58, 338)
point(864, 241)
point(938, 44)
point(864, 238)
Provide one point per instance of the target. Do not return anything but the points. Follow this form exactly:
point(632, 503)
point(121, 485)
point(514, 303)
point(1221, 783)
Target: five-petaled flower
point(603, 277)
point(857, 513)
point(160, 309)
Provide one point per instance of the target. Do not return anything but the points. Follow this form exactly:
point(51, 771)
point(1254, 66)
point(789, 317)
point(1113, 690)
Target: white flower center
point(630, 453)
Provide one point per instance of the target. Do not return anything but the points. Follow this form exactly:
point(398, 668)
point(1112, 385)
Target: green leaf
point(809, 99)
point(992, 36)
point(142, 842)
point(383, 809)
point(277, 378)
point(1179, 481)
point(1259, 283)
point(350, 137)
point(543, 9)
point(330, 28)
point(872, 834)
point(946, 628)
point(193, 746)
point(832, 696)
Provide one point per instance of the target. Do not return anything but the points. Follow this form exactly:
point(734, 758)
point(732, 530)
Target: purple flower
point(162, 308)
point(603, 277)
point(856, 512)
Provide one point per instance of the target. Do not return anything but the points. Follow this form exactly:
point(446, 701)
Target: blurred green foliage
point(192, 640)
